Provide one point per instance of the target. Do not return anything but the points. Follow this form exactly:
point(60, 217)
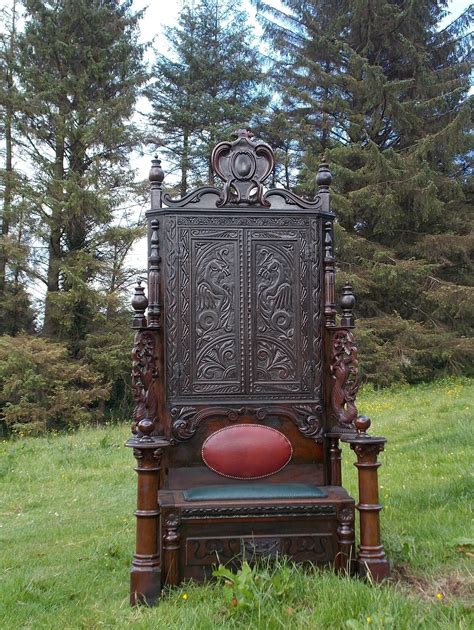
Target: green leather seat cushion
point(254, 491)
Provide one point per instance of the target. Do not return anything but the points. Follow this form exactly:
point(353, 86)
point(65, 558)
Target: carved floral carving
point(244, 221)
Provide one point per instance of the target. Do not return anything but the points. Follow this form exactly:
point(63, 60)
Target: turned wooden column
point(371, 557)
point(146, 579)
point(345, 558)
point(171, 541)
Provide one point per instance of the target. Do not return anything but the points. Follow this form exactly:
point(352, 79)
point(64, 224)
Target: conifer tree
point(376, 85)
point(209, 85)
point(15, 309)
point(81, 73)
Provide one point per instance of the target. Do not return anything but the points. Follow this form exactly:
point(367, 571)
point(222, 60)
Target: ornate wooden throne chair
point(244, 383)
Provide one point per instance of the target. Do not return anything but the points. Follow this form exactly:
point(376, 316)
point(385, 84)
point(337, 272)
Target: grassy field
point(67, 533)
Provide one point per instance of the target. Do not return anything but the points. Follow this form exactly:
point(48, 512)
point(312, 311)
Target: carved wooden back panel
point(242, 307)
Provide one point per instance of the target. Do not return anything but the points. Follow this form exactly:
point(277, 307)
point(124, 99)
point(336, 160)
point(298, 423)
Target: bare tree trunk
point(51, 323)
point(8, 190)
point(184, 163)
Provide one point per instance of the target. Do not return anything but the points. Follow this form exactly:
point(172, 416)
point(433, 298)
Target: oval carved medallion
point(246, 451)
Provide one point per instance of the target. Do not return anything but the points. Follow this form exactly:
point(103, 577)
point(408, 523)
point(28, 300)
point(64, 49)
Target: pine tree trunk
point(184, 163)
point(8, 190)
point(7, 194)
point(287, 168)
point(51, 323)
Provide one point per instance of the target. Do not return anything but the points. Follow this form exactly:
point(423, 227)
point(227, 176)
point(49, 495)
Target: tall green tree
point(15, 308)
point(81, 73)
point(210, 83)
point(377, 86)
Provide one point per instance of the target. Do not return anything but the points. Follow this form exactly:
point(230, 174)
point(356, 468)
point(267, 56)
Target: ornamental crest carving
point(243, 165)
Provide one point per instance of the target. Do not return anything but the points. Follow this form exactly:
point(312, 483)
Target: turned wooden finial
point(323, 182)
point(139, 305)
point(145, 428)
point(156, 178)
point(156, 175)
point(362, 424)
point(323, 176)
point(154, 259)
point(347, 303)
point(243, 133)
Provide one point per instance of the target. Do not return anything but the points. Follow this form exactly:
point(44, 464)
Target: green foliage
point(67, 533)
point(208, 86)
point(81, 72)
point(107, 353)
point(385, 94)
point(41, 389)
point(254, 589)
point(396, 350)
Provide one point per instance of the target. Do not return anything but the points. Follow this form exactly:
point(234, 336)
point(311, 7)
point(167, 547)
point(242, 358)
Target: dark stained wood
point(371, 557)
point(146, 579)
point(241, 329)
point(335, 473)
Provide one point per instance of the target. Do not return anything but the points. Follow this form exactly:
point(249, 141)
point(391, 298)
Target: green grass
point(67, 533)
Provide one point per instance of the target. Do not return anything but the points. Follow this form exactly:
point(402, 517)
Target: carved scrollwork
point(144, 373)
point(187, 419)
point(171, 306)
point(345, 372)
point(307, 419)
point(262, 547)
point(194, 197)
point(316, 275)
point(216, 351)
point(243, 165)
point(275, 313)
point(273, 195)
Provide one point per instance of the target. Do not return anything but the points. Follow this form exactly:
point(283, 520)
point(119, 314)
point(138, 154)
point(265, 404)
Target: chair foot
point(145, 586)
point(375, 570)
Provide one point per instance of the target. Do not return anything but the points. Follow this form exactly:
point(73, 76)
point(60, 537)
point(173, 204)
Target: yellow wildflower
point(185, 596)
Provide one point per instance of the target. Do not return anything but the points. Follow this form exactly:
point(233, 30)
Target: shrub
point(42, 388)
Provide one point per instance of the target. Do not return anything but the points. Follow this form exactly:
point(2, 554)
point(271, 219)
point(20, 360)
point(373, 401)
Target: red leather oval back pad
point(246, 451)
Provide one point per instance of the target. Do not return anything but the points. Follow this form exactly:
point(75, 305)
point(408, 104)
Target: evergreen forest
point(381, 88)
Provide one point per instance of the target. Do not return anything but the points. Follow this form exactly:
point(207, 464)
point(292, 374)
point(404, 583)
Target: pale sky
point(160, 13)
